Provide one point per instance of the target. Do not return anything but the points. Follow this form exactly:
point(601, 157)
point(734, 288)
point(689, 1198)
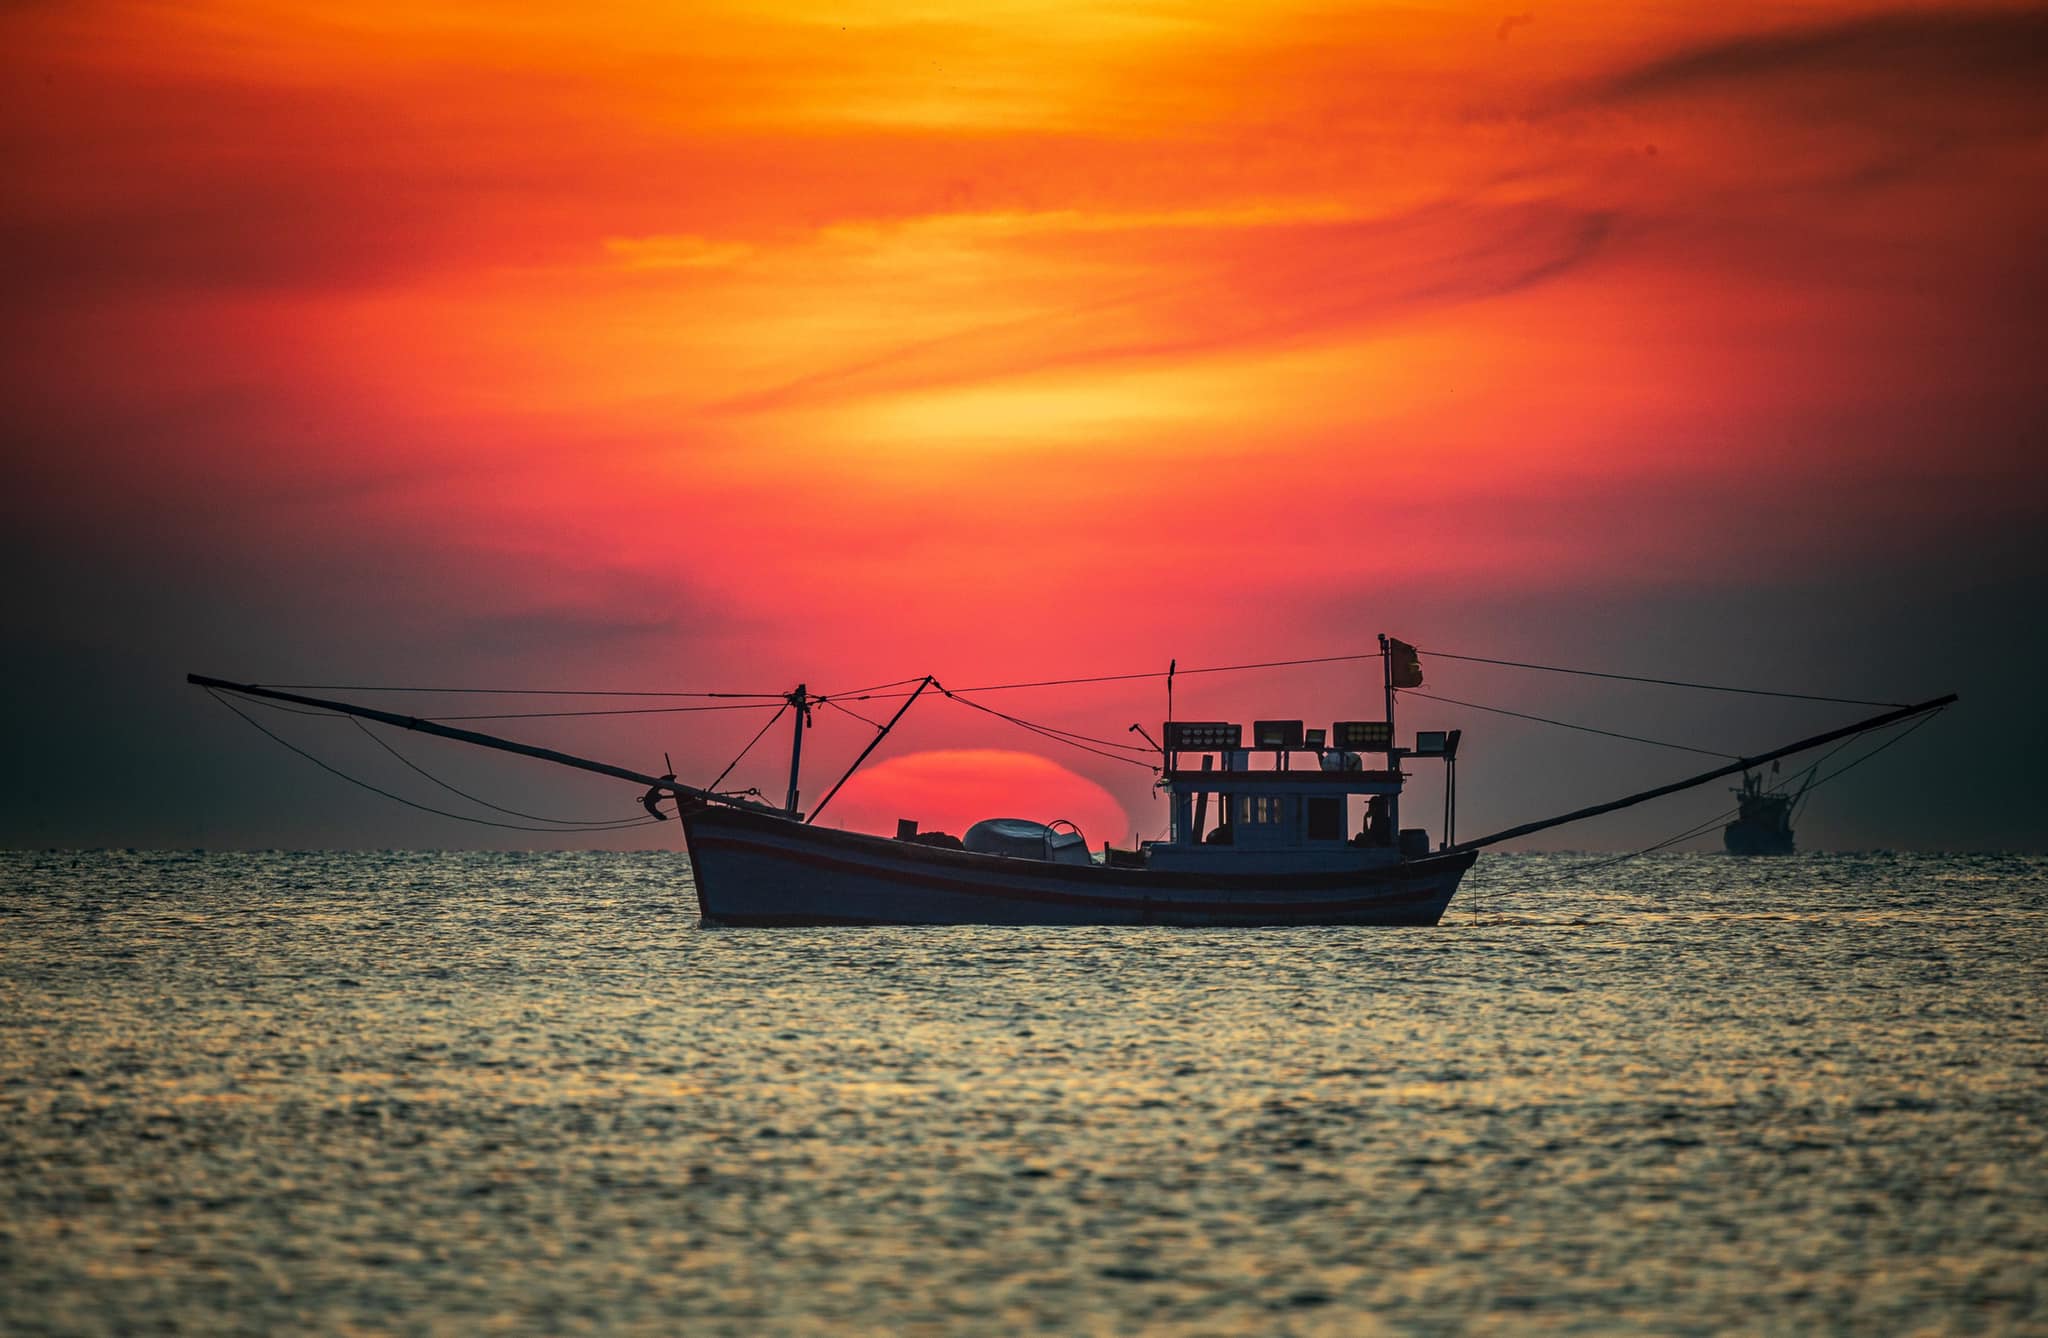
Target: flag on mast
point(1404, 666)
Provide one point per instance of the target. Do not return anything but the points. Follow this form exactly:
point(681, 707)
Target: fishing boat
point(1288, 824)
point(1282, 850)
point(1763, 820)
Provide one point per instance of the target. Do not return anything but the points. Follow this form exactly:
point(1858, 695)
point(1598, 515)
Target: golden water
point(420, 1093)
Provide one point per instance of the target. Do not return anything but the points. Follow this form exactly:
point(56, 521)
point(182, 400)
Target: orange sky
point(719, 344)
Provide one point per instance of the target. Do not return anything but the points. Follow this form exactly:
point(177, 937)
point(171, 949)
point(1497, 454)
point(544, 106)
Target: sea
point(466, 1093)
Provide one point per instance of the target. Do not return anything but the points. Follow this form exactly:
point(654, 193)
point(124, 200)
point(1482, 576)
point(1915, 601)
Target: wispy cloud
point(1196, 284)
point(1862, 101)
point(1949, 47)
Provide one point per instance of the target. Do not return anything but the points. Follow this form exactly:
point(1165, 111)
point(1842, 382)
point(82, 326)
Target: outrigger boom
point(481, 740)
point(1741, 764)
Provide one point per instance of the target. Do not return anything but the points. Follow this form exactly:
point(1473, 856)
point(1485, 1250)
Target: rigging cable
point(857, 693)
point(1121, 678)
point(844, 710)
point(1044, 731)
point(567, 823)
point(748, 749)
point(1566, 724)
point(1806, 788)
point(1819, 781)
point(1695, 830)
point(1072, 736)
point(1663, 682)
point(865, 693)
point(1815, 784)
point(1162, 673)
point(401, 799)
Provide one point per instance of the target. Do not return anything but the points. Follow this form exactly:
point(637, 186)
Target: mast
point(1393, 745)
point(1171, 760)
point(796, 743)
point(1740, 764)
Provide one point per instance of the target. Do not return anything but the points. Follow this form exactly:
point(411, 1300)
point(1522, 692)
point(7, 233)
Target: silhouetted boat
point(764, 869)
point(1763, 820)
point(1315, 844)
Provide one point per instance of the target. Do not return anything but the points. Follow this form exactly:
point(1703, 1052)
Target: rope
point(1663, 682)
point(749, 748)
point(1687, 834)
point(1076, 736)
point(401, 799)
point(858, 694)
point(371, 735)
point(1566, 724)
point(1896, 738)
point(1122, 678)
point(1045, 731)
point(874, 687)
point(1278, 664)
point(623, 710)
point(1806, 791)
point(843, 710)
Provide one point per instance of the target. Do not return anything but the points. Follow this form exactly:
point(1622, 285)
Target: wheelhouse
point(1290, 789)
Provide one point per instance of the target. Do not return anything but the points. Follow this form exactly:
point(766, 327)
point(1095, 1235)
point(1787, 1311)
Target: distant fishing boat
point(1763, 820)
point(1293, 826)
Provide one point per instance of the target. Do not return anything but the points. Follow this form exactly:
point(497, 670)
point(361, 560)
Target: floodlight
point(1281, 734)
point(1202, 736)
point(1363, 736)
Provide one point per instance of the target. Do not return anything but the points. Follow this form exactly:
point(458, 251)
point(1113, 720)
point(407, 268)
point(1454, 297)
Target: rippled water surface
point(463, 1092)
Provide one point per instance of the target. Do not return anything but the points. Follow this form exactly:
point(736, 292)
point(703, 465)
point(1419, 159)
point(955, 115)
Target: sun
point(950, 790)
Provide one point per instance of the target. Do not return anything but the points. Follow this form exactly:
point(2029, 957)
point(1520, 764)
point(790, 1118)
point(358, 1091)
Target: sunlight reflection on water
point(443, 1092)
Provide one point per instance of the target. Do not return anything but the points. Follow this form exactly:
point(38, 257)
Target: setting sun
point(949, 790)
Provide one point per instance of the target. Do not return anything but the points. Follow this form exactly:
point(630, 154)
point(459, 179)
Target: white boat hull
point(758, 869)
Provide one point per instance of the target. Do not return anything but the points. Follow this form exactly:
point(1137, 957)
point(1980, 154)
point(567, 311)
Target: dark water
point(465, 1093)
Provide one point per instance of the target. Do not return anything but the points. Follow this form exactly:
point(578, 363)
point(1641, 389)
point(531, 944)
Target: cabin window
point(1260, 809)
point(1325, 818)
